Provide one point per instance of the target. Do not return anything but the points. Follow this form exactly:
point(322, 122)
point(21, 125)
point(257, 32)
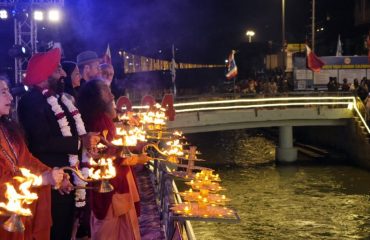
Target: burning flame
point(130, 140)
point(92, 162)
point(177, 133)
point(120, 131)
point(175, 148)
point(24, 196)
point(101, 146)
point(156, 117)
point(36, 180)
point(123, 117)
point(129, 137)
point(118, 142)
point(106, 170)
point(15, 202)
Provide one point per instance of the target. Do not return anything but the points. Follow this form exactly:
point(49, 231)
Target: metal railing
point(286, 100)
point(166, 192)
point(136, 98)
point(166, 189)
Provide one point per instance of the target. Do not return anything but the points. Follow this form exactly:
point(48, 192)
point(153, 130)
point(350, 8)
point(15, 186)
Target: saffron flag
point(313, 62)
point(339, 47)
point(232, 69)
point(107, 57)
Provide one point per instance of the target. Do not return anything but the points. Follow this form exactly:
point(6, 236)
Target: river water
point(312, 199)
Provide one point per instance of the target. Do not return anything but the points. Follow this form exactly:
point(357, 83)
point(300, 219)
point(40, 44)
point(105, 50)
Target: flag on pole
point(107, 57)
point(313, 62)
point(339, 47)
point(232, 69)
point(173, 70)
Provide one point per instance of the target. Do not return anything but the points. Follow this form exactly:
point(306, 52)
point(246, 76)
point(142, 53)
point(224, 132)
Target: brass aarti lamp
point(154, 121)
point(129, 136)
point(101, 171)
point(15, 207)
point(172, 153)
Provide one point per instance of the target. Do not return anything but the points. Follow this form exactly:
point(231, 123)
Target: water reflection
point(310, 201)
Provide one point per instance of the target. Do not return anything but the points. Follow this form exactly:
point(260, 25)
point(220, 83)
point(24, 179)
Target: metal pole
point(313, 26)
point(173, 71)
point(283, 31)
point(234, 87)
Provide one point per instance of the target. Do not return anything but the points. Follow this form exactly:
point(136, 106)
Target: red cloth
point(41, 66)
point(313, 62)
point(102, 201)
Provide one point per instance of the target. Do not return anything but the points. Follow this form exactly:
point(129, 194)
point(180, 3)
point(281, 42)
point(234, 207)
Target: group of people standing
point(361, 89)
point(62, 118)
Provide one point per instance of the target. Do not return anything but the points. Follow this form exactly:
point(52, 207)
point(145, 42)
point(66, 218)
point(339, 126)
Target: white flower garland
point(80, 194)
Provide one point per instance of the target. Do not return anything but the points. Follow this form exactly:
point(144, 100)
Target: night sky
point(203, 31)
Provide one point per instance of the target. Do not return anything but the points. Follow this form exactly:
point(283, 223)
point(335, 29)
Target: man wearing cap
point(88, 64)
point(55, 132)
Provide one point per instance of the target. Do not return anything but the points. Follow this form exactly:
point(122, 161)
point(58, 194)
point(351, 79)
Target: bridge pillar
point(285, 152)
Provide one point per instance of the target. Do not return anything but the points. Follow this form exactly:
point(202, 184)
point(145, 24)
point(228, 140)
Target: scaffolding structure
point(25, 28)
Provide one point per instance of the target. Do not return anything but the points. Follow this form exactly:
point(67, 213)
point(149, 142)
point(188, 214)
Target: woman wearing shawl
point(14, 154)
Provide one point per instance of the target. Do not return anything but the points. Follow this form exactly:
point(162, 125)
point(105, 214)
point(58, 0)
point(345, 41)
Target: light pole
point(250, 34)
point(313, 26)
point(283, 31)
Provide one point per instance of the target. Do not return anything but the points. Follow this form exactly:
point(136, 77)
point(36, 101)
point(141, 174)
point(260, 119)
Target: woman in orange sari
point(114, 214)
point(14, 154)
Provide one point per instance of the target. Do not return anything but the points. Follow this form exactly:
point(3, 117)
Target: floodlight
point(54, 15)
point(3, 14)
point(38, 15)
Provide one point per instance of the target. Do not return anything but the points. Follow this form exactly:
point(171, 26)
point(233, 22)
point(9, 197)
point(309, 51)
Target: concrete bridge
point(285, 112)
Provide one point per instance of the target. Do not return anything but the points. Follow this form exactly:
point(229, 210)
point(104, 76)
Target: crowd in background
point(360, 89)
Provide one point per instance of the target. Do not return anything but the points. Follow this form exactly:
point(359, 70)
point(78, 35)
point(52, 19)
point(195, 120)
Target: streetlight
point(250, 34)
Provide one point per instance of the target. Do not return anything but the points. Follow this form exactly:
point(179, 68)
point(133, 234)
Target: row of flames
point(18, 193)
point(135, 128)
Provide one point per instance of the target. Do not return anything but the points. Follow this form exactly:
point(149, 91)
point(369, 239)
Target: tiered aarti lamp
point(101, 171)
point(15, 207)
point(129, 136)
point(173, 149)
point(190, 156)
point(154, 121)
point(202, 200)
